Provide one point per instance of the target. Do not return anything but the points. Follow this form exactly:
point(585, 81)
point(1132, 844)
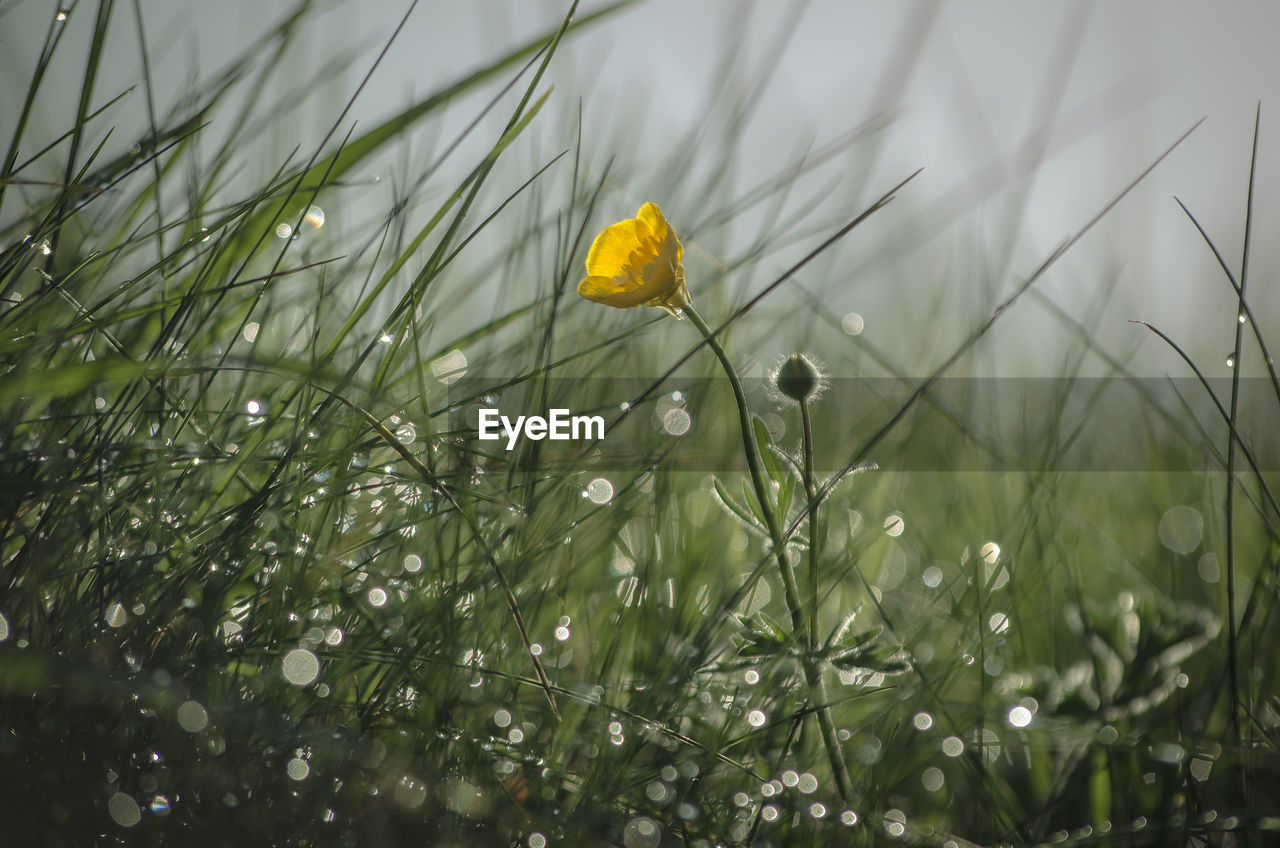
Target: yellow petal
point(606, 290)
point(610, 253)
point(652, 218)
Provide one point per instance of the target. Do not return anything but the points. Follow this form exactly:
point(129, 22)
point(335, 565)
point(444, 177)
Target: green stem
point(800, 627)
point(819, 687)
point(744, 419)
point(811, 493)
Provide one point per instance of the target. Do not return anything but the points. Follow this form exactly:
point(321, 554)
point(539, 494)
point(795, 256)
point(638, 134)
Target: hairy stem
point(811, 494)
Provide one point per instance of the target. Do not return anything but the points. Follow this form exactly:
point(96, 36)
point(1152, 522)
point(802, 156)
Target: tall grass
point(260, 582)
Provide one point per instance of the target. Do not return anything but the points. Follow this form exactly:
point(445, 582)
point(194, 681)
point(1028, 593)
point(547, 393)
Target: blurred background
point(235, 450)
point(1027, 120)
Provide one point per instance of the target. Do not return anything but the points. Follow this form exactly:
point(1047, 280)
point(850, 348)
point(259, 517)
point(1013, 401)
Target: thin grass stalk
point(508, 591)
point(1267, 358)
point(1233, 656)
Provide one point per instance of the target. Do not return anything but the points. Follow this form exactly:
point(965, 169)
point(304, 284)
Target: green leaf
point(764, 444)
point(738, 511)
point(749, 496)
point(764, 637)
point(786, 489)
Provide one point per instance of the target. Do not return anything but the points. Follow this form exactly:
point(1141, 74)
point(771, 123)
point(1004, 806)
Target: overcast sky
point(968, 84)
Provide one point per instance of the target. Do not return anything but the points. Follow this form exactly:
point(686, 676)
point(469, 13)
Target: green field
point(261, 583)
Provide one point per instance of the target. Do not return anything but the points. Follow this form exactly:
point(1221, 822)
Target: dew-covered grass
point(261, 583)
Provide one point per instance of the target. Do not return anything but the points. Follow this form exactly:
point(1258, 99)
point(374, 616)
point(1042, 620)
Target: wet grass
point(261, 583)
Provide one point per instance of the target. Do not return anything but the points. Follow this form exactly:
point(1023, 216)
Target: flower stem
point(803, 631)
point(744, 419)
point(811, 494)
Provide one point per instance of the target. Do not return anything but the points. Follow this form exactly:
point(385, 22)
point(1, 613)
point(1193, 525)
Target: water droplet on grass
point(123, 810)
point(314, 218)
point(192, 717)
point(676, 422)
point(300, 667)
point(1019, 716)
point(1181, 528)
point(642, 832)
point(600, 491)
point(450, 368)
point(297, 769)
point(116, 615)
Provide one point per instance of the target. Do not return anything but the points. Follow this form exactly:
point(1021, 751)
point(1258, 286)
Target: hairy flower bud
point(797, 378)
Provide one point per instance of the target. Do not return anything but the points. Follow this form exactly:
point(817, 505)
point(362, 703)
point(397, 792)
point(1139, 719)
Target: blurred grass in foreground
point(255, 574)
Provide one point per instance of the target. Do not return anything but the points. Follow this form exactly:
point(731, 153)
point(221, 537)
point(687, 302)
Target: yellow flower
point(636, 262)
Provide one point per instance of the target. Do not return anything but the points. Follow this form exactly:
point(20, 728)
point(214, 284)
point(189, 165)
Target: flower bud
point(798, 378)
